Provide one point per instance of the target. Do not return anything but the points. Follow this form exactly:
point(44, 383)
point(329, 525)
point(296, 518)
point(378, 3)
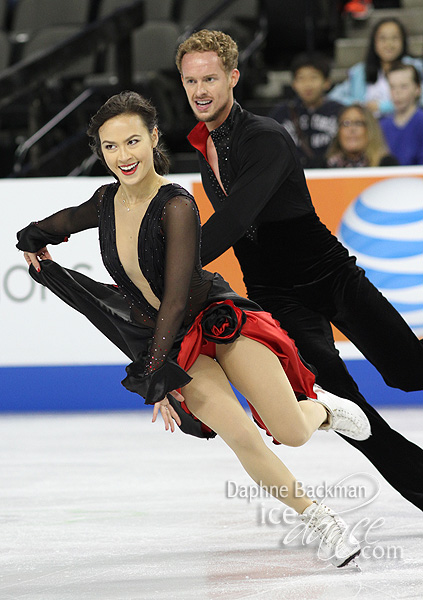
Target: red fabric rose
point(222, 322)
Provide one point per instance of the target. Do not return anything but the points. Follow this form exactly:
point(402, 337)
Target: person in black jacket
point(310, 117)
point(292, 265)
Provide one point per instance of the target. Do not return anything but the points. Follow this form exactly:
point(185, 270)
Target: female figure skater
point(184, 327)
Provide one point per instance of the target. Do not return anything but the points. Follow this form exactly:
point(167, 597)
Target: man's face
point(208, 87)
point(404, 91)
point(311, 85)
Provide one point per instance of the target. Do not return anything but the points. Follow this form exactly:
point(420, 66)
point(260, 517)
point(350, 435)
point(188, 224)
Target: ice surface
point(111, 507)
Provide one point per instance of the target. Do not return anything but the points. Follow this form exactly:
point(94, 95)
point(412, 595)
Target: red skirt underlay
point(259, 326)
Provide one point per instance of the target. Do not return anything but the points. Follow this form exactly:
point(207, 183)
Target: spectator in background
point(310, 118)
point(359, 141)
point(367, 82)
point(403, 129)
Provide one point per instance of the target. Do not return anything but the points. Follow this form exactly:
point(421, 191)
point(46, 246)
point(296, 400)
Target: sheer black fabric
point(168, 251)
point(169, 259)
point(57, 227)
point(173, 269)
point(106, 308)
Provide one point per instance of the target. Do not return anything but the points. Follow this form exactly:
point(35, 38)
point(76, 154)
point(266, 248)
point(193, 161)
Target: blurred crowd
point(372, 118)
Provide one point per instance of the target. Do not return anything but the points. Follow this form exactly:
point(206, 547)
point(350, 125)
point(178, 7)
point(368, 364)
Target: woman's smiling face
point(127, 147)
point(353, 137)
point(388, 42)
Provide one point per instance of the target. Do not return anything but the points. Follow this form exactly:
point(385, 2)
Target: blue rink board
point(95, 388)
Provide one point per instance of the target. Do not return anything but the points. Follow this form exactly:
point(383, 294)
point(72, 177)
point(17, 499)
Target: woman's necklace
point(124, 200)
point(126, 203)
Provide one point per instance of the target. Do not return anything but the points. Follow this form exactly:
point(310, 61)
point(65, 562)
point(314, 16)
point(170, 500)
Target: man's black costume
point(297, 270)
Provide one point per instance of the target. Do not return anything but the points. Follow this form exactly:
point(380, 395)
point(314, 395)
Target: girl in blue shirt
point(367, 82)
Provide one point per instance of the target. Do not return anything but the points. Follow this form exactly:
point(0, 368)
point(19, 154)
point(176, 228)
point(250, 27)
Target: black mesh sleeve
point(58, 227)
point(180, 225)
point(160, 374)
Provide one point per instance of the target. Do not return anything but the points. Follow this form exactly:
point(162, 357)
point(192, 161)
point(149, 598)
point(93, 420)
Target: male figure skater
point(292, 265)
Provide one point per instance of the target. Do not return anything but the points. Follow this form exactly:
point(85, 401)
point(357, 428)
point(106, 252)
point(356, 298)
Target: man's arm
point(265, 161)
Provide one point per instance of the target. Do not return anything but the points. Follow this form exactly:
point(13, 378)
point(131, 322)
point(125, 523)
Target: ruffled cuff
point(156, 385)
point(32, 238)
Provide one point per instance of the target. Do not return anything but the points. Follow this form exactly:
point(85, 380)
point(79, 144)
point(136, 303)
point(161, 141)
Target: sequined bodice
point(151, 255)
point(168, 257)
point(110, 256)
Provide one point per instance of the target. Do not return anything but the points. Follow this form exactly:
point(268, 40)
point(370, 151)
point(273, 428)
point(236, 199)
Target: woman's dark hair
point(133, 104)
point(372, 59)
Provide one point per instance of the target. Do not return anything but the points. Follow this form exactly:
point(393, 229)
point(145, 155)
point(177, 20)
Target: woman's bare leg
point(210, 397)
point(258, 375)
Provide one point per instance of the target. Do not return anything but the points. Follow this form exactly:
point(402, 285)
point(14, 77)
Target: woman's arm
point(57, 228)
point(155, 375)
point(180, 226)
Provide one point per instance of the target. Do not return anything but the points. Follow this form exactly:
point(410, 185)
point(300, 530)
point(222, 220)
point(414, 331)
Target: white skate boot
point(343, 415)
point(335, 543)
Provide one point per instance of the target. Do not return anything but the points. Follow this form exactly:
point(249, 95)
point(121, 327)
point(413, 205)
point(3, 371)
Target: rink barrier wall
point(53, 359)
point(98, 388)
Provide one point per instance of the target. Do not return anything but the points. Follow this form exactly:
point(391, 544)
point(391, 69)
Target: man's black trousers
point(354, 305)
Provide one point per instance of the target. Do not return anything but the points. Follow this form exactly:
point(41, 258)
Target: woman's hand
point(170, 416)
point(32, 258)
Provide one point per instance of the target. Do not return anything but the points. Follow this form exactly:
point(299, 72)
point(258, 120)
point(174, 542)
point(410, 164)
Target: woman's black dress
point(197, 308)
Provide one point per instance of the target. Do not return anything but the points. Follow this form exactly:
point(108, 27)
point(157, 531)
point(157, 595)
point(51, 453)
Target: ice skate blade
point(351, 562)
point(355, 565)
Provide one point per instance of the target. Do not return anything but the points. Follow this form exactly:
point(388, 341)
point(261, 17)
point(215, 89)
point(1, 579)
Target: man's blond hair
point(210, 41)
